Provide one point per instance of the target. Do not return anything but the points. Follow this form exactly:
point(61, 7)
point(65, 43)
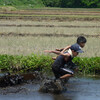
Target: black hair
point(81, 39)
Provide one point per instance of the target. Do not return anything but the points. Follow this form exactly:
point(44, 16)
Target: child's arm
point(62, 48)
point(54, 58)
point(66, 48)
point(57, 52)
point(65, 54)
point(59, 49)
point(52, 51)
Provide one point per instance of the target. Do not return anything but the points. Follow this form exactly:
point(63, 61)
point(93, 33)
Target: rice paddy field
point(32, 31)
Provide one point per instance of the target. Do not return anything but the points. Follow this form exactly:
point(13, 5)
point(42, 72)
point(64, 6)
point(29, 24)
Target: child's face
point(74, 53)
point(82, 45)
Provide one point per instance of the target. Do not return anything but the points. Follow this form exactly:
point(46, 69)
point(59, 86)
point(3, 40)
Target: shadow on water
point(83, 88)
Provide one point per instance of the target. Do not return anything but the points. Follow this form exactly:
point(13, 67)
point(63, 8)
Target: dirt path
point(68, 26)
point(51, 12)
point(58, 14)
point(47, 35)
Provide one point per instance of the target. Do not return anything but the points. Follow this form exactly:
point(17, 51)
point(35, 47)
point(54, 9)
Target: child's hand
point(54, 58)
point(57, 49)
point(47, 51)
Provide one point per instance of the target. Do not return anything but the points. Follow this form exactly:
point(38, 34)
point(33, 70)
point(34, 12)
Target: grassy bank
point(24, 63)
point(19, 4)
point(53, 3)
point(44, 62)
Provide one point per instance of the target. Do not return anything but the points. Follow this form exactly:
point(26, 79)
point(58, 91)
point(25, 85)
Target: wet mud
point(51, 86)
point(47, 85)
point(8, 79)
point(83, 88)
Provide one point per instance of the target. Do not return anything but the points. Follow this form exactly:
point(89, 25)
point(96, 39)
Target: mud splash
point(47, 85)
point(8, 79)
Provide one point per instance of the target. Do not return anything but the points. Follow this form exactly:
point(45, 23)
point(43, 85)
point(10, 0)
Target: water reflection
point(61, 97)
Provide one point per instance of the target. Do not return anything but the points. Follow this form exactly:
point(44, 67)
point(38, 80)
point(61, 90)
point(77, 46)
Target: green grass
point(88, 65)
point(57, 8)
point(25, 4)
point(43, 63)
point(25, 63)
point(42, 7)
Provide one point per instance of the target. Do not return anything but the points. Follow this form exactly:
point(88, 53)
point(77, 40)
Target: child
point(63, 67)
point(80, 40)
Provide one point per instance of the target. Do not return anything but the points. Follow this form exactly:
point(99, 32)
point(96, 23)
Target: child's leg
point(66, 76)
point(66, 73)
point(56, 72)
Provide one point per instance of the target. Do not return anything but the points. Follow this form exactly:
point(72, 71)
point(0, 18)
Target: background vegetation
point(53, 3)
point(44, 62)
point(22, 3)
point(72, 3)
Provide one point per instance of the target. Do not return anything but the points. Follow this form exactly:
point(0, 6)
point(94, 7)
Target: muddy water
point(77, 89)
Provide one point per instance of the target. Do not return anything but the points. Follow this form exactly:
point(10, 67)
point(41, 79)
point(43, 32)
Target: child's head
point(74, 53)
point(81, 40)
point(76, 49)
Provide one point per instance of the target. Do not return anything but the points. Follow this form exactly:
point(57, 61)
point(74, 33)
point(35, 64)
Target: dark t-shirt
point(60, 61)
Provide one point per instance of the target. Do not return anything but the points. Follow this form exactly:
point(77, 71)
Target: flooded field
point(83, 88)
